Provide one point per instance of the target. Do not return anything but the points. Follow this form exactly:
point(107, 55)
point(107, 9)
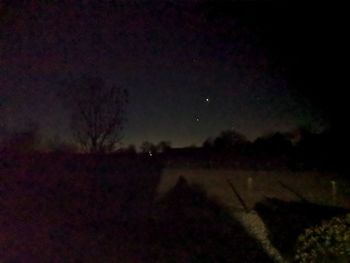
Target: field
point(254, 186)
point(82, 209)
point(275, 206)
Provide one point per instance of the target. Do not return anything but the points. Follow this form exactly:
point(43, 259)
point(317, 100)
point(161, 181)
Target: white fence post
point(250, 184)
point(334, 191)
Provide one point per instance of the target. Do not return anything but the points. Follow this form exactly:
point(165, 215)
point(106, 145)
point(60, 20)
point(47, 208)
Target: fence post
point(250, 184)
point(334, 191)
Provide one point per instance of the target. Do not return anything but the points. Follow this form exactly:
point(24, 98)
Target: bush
point(328, 242)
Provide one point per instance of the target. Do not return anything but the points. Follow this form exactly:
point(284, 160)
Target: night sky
point(193, 68)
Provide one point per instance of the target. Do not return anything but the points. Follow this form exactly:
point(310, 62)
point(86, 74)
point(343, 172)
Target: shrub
point(328, 242)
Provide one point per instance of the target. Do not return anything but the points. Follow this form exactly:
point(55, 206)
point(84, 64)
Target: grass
point(81, 209)
point(74, 208)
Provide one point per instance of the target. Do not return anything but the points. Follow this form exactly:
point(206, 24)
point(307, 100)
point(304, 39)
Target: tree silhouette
point(148, 147)
point(58, 145)
point(208, 143)
point(229, 139)
point(274, 143)
point(98, 113)
point(131, 149)
point(163, 146)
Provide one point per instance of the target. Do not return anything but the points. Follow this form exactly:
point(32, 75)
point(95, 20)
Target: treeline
point(299, 149)
point(29, 139)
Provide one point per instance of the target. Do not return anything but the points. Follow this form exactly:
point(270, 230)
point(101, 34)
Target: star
point(207, 100)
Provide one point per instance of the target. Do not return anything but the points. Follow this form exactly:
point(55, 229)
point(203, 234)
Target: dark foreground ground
point(74, 209)
point(60, 208)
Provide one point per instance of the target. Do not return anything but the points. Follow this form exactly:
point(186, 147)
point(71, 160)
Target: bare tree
point(98, 113)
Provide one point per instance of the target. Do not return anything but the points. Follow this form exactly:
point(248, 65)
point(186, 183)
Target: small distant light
point(197, 119)
point(207, 99)
point(150, 153)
